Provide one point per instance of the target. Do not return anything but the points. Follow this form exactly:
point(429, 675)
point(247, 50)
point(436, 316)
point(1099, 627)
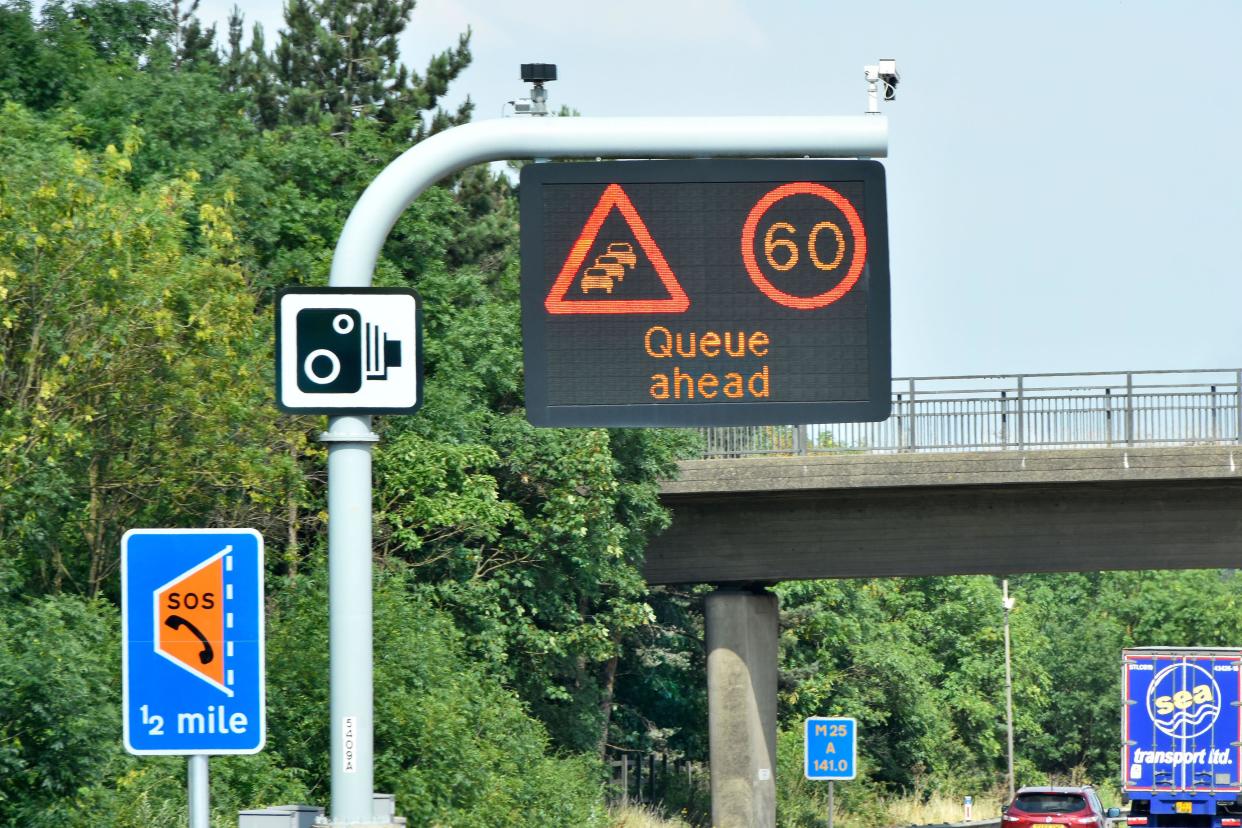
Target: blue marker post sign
point(831, 748)
point(831, 752)
point(192, 641)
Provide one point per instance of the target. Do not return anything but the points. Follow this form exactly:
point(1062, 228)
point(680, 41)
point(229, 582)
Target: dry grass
point(939, 809)
point(639, 816)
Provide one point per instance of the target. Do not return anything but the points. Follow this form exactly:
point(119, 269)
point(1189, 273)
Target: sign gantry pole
point(350, 438)
point(351, 693)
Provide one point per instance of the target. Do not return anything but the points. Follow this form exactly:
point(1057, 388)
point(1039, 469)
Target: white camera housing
point(884, 72)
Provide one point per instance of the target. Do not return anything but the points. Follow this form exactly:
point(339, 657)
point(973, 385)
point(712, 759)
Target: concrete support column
point(741, 706)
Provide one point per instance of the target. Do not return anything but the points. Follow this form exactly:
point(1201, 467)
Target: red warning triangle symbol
point(615, 197)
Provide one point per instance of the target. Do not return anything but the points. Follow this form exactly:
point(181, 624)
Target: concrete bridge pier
point(741, 632)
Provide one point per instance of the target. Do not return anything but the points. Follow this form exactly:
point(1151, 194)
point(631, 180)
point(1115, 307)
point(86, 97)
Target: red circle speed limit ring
point(782, 252)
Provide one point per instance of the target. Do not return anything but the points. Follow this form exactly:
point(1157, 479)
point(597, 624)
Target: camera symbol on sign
point(337, 351)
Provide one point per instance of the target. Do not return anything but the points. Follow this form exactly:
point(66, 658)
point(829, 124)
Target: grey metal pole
point(1215, 427)
point(349, 442)
point(353, 265)
point(831, 803)
point(1021, 415)
point(1008, 605)
point(913, 425)
point(800, 439)
point(1129, 409)
point(1237, 387)
point(1108, 415)
point(1004, 419)
point(199, 794)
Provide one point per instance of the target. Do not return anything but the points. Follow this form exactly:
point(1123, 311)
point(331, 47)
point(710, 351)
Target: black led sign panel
point(694, 293)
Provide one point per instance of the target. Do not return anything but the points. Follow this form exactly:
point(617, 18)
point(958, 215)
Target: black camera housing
point(538, 72)
point(329, 350)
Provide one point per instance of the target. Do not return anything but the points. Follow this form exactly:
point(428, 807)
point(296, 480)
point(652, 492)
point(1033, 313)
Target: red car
point(1054, 807)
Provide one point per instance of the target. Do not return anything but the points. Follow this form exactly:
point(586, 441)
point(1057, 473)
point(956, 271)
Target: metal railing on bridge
point(1019, 412)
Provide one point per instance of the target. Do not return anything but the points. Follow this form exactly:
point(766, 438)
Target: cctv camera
point(890, 77)
point(538, 72)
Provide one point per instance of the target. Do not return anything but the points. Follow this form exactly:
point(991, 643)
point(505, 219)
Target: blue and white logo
point(1183, 700)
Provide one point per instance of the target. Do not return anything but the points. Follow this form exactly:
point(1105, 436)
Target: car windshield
point(1049, 803)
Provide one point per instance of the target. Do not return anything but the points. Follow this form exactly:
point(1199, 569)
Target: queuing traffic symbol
point(192, 641)
point(348, 350)
point(831, 748)
point(705, 293)
point(609, 268)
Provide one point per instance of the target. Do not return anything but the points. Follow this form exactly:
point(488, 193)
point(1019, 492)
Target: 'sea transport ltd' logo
point(1183, 700)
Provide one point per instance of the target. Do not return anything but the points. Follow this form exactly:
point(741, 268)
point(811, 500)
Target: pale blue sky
point(1065, 187)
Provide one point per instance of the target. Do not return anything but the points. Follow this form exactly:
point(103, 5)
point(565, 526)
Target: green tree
point(917, 662)
point(43, 63)
point(59, 694)
point(452, 744)
point(132, 389)
point(120, 30)
point(339, 58)
point(658, 679)
point(220, 192)
point(545, 578)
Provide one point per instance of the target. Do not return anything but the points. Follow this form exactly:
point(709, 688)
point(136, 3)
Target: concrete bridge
point(1029, 473)
point(846, 516)
point(999, 475)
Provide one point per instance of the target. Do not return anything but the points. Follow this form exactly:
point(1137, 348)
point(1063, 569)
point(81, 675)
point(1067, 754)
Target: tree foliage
point(155, 194)
point(129, 357)
point(338, 59)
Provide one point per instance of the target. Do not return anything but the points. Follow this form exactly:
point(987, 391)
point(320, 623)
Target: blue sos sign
point(192, 658)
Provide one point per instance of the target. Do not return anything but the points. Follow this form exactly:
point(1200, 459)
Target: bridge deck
point(864, 515)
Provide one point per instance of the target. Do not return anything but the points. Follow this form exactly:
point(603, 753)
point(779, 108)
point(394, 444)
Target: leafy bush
point(451, 742)
point(59, 701)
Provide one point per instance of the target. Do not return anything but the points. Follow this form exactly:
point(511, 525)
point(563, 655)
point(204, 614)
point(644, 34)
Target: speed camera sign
point(348, 351)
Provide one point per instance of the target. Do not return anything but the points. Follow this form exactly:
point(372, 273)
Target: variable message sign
point(831, 748)
point(192, 641)
point(673, 293)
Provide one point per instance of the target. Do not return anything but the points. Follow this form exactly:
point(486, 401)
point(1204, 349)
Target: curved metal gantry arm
point(349, 438)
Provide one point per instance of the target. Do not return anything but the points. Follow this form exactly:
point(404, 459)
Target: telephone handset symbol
point(176, 622)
